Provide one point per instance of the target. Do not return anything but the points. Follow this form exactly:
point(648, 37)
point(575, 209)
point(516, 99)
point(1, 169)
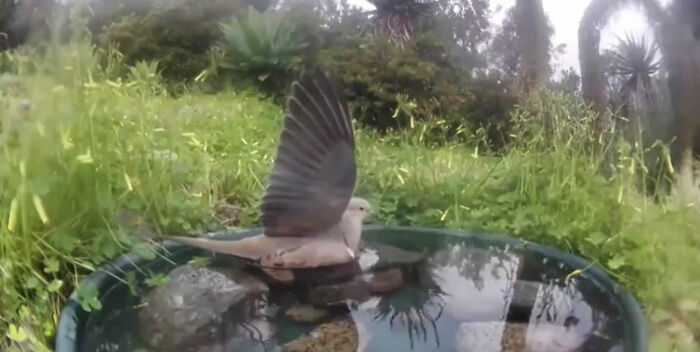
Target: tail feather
point(248, 248)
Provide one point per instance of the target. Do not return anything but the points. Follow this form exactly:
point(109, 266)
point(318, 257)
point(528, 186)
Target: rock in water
point(338, 294)
point(338, 336)
point(190, 309)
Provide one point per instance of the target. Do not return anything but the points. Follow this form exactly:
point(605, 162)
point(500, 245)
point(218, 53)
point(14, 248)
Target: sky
point(565, 16)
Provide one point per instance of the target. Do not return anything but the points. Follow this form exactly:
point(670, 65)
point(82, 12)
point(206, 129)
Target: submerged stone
point(193, 305)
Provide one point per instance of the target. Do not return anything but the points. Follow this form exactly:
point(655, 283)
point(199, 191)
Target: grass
point(92, 164)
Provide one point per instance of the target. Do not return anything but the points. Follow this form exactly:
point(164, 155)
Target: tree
point(681, 51)
point(677, 29)
point(521, 50)
point(463, 25)
point(534, 44)
point(397, 19)
point(593, 84)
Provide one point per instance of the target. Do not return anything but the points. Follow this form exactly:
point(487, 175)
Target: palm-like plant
point(396, 19)
point(261, 43)
point(632, 65)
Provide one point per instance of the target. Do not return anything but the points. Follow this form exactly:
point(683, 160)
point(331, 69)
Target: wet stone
point(337, 294)
point(195, 302)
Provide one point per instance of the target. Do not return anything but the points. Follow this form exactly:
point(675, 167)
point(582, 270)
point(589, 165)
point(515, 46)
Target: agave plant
point(261, 43)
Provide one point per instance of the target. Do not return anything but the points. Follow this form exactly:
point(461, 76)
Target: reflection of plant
point(414, 306)
point(261, 43)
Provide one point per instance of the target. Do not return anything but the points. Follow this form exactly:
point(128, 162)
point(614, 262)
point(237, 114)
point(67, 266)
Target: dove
point(309, 215)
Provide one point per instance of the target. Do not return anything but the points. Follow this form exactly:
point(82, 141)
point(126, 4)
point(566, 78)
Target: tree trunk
point(593, 82)
point(533, 44)
point(681, 51)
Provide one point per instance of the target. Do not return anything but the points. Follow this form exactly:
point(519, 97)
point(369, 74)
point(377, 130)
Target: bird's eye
point(362, 208)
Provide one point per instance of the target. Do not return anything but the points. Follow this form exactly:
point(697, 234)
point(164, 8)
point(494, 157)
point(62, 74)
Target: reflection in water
point(460, 298)
point(417, 308)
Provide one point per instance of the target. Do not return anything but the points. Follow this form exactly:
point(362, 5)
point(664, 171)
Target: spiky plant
point(396, 19)
point(632, 64)
point(261, 43)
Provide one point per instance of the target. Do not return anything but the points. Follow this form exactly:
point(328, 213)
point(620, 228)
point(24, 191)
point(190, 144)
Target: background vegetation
point(132, 119)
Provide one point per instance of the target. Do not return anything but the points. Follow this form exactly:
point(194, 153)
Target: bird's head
point(359, 207)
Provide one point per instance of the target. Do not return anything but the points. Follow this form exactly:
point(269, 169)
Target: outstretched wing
point(314, 174)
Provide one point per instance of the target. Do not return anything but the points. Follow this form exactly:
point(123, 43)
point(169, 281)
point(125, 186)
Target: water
point(461, 298)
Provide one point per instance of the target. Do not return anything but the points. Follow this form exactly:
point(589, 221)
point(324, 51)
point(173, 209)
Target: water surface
point(463, 297)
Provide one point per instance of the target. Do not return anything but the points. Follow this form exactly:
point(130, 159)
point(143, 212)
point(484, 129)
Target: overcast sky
point(565, 16)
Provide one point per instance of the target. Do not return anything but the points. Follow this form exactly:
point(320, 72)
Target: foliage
point(377, 76)
point(94, 164)
point(521, 47)
point(87, 159)
point(262, 45)
point(569, 82)
point(178, 37)
point(463, 27)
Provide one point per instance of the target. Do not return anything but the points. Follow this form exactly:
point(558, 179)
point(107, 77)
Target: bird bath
point(419, 290)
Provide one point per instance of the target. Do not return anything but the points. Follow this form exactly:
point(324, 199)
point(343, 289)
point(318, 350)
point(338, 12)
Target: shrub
point(379, 76)
point(178, 37)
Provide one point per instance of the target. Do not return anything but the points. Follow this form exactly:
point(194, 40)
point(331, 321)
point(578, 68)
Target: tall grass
point(91, 163)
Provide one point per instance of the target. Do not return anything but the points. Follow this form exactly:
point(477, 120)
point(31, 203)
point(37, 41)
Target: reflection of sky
point(547, 332)
point(467, 299)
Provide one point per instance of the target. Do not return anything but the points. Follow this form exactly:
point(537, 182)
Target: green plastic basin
point(74, 325)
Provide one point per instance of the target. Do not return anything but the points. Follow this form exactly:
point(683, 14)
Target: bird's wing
point(314, 174)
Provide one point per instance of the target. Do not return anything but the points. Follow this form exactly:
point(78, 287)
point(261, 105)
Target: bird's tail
point(240, 248)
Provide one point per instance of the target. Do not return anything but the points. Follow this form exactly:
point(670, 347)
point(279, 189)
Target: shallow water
point(462, 298)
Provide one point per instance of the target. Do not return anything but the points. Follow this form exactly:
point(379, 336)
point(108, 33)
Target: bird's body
point(336, 245)
point(309, 214)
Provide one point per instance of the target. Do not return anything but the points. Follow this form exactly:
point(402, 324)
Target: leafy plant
point(261, 44)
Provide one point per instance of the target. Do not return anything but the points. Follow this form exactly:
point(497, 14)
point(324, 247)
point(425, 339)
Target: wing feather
point(314, 173)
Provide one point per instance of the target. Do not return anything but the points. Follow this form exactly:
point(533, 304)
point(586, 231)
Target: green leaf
point(616, 263)
point(88, 298)
point(144, 250)
point(55, 286)
point(199, 261)
point(16, 334)
point(157, 280)
point(596, 238)
point(31, 283)
point(51, 265)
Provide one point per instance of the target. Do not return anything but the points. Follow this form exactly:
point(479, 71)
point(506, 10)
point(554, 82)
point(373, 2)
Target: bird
point(309, 214)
